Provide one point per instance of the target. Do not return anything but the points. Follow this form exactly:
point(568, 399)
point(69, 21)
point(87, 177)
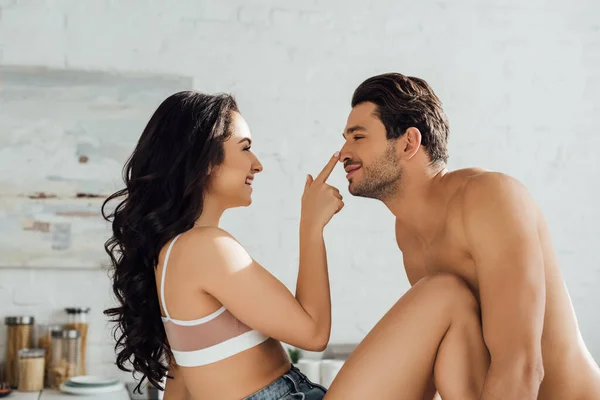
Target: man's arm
point(501, 228)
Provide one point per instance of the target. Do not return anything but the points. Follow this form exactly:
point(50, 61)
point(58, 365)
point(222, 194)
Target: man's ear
point(410, 143)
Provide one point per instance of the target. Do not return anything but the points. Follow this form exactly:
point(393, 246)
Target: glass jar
point(19, 330)
point(31, 370)
point(65, 357)
point(77, 318)
point(43, 340)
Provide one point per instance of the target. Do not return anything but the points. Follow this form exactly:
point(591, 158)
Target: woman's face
point(231, 182)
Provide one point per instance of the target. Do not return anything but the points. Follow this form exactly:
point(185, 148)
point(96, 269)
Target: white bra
point(208, 339)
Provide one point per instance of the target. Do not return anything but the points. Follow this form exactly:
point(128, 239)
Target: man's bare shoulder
point(457, 179)
point(492, 198)
point(492, 186)
point(472, 184)
point(478, 192)
point(453, 188)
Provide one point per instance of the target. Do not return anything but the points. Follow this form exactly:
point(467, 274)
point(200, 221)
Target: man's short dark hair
point(403, 102)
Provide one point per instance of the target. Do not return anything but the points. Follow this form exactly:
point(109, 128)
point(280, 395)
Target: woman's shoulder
point(210, 242)
point(207, 233)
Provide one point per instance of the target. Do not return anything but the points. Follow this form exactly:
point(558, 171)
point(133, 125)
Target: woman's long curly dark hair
point(165, 181)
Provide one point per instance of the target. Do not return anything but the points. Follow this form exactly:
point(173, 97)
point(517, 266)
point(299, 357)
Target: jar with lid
point(65, 357)
point(31, 370)
point(19, 332)
point(78, 319)
point(43, 340)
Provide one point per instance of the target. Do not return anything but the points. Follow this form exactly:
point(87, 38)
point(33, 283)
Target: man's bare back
point(569, 371)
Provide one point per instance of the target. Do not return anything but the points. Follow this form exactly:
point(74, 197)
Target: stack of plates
point(85, 385)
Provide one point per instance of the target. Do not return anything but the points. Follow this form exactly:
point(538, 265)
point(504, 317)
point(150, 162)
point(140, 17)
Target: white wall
point(519, 81)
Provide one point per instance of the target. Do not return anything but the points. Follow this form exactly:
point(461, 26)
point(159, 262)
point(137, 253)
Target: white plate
point(92, 390)
point(93, 380)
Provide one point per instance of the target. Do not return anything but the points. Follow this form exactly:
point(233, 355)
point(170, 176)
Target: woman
point(192, 302)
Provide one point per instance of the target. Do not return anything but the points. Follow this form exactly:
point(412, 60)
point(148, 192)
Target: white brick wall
point(518, 80)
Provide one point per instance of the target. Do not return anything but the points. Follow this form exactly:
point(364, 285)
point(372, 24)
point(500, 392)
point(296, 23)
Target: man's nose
point(345, 153)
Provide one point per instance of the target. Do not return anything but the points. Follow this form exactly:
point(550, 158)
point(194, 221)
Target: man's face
point(370, 160)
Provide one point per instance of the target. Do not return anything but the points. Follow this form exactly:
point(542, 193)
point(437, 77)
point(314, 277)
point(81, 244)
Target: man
point(480, 226)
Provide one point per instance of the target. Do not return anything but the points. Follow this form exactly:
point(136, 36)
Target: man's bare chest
point(442, 256)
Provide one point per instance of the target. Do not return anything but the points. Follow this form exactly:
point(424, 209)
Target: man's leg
point(433, 330)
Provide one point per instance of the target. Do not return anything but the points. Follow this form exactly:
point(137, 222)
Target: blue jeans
point(293, 385)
